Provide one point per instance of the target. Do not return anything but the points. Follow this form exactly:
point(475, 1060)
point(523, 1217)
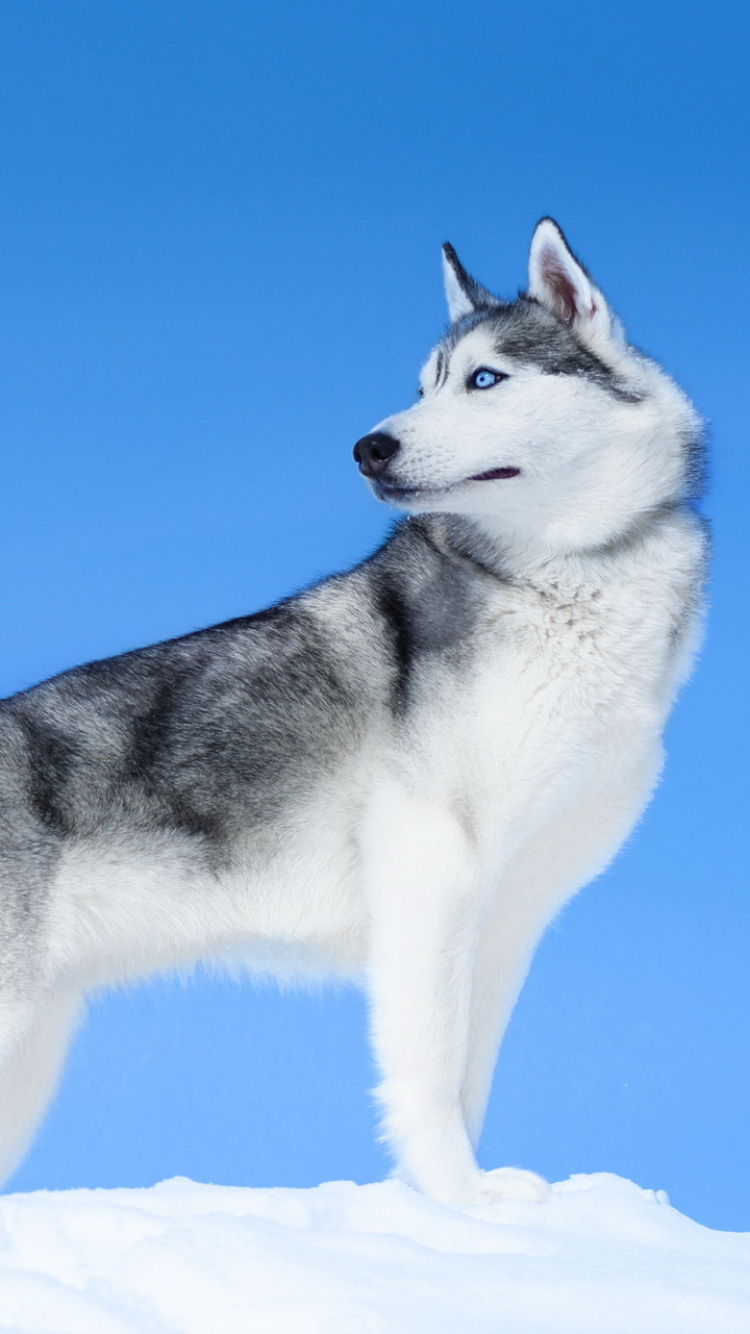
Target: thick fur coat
point(403, 773)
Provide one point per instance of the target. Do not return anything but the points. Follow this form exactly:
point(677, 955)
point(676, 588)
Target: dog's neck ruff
point(499, 557)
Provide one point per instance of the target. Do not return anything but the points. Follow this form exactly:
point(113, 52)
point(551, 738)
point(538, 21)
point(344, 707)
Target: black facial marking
point(523, 330)
point(442, 367)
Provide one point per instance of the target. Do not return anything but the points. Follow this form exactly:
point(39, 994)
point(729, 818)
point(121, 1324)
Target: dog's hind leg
point(34, 1037)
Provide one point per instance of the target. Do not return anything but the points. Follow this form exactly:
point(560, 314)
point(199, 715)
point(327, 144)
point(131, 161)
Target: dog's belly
point(287, 902)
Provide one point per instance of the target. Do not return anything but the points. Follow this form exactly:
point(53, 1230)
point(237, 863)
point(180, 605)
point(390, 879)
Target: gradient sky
point(219, 257)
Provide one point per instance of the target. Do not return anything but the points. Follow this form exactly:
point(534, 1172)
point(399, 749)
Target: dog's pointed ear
point(560, 283)
point(463, 293)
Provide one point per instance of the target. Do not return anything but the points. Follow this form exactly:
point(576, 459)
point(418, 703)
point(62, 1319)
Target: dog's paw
point(512, 1183)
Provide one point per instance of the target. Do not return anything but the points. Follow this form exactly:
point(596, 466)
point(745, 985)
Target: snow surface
point(601, 1256)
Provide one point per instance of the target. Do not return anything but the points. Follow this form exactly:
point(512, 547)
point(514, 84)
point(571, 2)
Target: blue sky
point(219, 265)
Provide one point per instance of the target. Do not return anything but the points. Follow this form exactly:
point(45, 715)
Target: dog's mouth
point(495, 474)
point(396, 494)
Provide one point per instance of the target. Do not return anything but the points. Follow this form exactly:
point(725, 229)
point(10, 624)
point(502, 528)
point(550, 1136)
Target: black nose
point(374, 452)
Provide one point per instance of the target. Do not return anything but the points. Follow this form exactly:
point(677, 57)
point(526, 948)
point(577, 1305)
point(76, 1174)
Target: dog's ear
point(463, 293)
point(561, 284)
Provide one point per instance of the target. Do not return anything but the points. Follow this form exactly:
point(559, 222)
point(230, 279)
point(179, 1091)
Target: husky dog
point(401, 774)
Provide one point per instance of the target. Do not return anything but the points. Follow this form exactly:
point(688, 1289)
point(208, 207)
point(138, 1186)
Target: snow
point(600, 1256)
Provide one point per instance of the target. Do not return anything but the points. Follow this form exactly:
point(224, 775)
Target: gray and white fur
point(403, 773)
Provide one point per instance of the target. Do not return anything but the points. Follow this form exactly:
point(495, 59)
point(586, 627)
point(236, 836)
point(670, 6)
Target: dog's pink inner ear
point(565, 295)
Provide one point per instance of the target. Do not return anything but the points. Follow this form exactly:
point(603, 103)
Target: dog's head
point(536, 415)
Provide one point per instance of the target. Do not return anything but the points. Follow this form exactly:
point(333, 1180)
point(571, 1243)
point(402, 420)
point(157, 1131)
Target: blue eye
point(485, 379)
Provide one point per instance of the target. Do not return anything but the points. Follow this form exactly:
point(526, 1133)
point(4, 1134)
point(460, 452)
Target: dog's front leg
point(425, 889)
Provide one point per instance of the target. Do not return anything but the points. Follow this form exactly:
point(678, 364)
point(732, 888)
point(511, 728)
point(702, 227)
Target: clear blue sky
point(219, 265)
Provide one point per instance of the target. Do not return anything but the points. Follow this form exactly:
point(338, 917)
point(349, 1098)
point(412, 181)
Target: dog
point(401, 774)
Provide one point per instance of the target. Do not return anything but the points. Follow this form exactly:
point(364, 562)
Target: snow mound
point(601, 1256)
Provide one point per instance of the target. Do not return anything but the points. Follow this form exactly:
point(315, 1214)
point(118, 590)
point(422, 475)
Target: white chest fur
point(563, 706)
point(522, 771)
